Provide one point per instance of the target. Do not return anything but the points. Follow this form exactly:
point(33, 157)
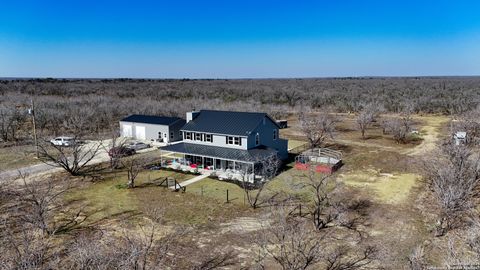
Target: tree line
point(99, 104)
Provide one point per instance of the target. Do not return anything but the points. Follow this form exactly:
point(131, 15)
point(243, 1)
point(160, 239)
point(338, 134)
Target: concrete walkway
point(191, 181)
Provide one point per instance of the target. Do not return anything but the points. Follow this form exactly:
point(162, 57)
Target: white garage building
point(152, 128)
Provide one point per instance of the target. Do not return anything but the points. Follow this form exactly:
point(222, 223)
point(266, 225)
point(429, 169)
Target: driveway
point(42, 168)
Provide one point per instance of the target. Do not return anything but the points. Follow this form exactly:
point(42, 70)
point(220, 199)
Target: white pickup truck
point(62, 141)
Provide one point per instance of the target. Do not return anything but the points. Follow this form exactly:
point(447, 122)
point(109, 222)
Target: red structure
point(323, 160)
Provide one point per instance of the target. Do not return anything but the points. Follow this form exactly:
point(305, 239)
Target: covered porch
point(224, 163)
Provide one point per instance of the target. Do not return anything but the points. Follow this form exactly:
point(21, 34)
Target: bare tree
point(294, 243)
point(291, 243)
point(117, 142)
point(74, 159)
point(470, 123)
point(218, 261)
point(266, 167)
point(11, 120)
point(342, 258)
point(366, 117)
point(24, 249)
point(416, 259)
point(453, 174)
point(317, 127)
point(323, 212)
point(40, 205)
point(133, 165)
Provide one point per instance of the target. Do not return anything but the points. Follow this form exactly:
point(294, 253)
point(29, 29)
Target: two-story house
point(220, 140)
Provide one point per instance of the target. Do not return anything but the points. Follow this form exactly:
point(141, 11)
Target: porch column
point(234, 165)
point(161, 159)
point(253, 172)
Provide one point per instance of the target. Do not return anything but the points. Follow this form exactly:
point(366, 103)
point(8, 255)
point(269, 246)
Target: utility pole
point(32, 113)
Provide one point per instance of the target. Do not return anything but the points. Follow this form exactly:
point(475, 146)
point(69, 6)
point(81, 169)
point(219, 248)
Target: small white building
point(460, 137)
point(152, 128)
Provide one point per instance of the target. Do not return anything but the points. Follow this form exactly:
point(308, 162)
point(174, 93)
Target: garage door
point(140, 132)
point(127, 131)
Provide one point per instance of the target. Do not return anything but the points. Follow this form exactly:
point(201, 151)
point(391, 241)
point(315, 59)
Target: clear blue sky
point(235, 39)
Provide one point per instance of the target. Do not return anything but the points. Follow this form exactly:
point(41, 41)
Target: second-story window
point(257, 139)
point(208, 137)
point(275, 134)
point(188, 135)
point(234, 140)
point(198, 136)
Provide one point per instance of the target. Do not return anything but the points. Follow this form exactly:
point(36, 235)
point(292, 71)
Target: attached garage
point(152, 128)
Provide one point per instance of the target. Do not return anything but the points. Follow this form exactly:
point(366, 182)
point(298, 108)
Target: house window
point(274, 134)
point(257, 139)
point(188, 135)
point(234, 140)
point(198, 136)
point(171, 135)
point(208, 137)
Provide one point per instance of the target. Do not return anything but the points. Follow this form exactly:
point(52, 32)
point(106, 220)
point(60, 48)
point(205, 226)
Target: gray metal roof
point(226, 122)
point(250, 155)
point(151, 119)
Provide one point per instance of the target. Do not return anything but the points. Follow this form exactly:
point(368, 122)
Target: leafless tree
point(317, 127)
point(453, 174)
point(134, 165)
point(74, 159)
point(11, 120)
point(291, 243)
point(116, 142)
point(470, 123)
point(91, 252)
point(416, 259)
point(219, 260)
point(294, 243)
point(266, 167)
point(342, 258)
point(41, 206)
point(323, 212)
point(366, 117)
point(24, 249)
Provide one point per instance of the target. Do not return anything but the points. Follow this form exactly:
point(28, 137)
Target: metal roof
point(151, 119)
point(251, 155)
point(226, 122)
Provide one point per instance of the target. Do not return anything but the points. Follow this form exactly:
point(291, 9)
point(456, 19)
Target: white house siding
point(150, 131)
point(221, 141)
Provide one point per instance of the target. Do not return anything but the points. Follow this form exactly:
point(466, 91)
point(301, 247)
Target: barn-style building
point(152, 128)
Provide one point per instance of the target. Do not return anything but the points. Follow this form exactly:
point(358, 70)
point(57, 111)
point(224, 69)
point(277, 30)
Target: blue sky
point(238, 39)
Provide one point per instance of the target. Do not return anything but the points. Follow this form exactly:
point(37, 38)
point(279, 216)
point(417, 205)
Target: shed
point(282, 123)
point(152, 128)
point(460, 137)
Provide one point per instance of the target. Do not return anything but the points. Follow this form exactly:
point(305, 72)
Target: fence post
point(300, 208)
point(227, 196)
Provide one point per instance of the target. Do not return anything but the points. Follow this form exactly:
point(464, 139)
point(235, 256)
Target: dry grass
point(109, 199)
point(17, 156)
point(387, 188)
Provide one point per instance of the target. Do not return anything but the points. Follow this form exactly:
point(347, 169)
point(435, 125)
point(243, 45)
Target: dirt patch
point(244, 225)
point(387, 188)
point(430, 132)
